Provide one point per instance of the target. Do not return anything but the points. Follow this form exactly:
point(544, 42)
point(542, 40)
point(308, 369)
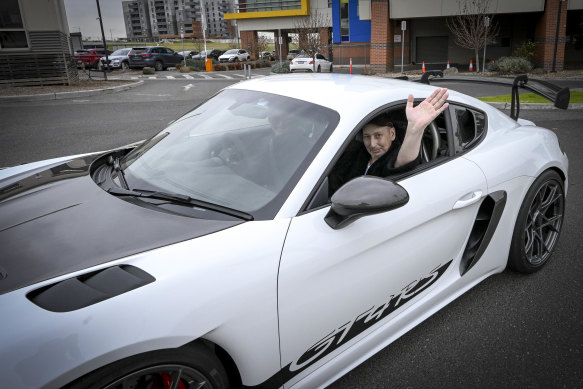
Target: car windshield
point(233, 51)
point(241, 149)
point(121, 52)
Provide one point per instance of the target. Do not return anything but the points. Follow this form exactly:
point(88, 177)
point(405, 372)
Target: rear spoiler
point(559, 96)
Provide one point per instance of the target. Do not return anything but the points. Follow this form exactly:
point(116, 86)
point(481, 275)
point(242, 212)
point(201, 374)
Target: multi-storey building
point(170, 18)
point(369, 31)
point(137, 20)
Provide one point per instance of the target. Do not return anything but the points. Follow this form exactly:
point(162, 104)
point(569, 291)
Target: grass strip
point(576, 98)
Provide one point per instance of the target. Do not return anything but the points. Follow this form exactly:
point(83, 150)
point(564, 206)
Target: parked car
point(157, 57)
point(214, 254)
point(234, 55)
point(212, 54)
point(90, 57)
point(306, 62)
point(119, 59)
point(292, 53)
point(188, 53)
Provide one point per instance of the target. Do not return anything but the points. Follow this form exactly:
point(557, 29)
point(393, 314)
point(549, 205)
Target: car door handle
point(468, 199)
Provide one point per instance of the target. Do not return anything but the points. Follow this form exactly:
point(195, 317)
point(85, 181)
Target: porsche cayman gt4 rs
point(216, 254)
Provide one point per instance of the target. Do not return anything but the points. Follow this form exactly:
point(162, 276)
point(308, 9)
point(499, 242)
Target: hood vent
point(88, 289)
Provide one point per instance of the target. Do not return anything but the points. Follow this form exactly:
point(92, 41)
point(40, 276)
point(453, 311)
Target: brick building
point(369, 31)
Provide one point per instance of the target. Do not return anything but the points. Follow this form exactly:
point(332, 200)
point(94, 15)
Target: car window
point(320, 56)
point(139, 50)
point(345, 169)
point(468, 126)
point(241, 149)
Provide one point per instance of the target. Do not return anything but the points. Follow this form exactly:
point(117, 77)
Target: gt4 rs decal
point(343, 334)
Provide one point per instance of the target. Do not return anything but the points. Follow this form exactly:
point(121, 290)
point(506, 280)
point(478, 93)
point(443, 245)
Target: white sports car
point(216, 254)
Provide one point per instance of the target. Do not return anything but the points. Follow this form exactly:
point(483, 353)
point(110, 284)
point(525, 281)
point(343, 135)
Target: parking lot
point(509, 331)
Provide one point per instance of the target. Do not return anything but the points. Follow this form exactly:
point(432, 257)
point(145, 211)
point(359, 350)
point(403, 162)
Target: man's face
point(377, 140)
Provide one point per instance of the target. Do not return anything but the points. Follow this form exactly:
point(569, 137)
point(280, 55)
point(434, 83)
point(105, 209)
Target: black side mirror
point(362, 196)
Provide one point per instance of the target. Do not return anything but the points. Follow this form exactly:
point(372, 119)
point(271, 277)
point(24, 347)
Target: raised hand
point(420, 116)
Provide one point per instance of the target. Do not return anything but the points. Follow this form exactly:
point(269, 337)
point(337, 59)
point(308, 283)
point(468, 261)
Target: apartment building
point(159, 19)
point(369, 31)
point(137, 20)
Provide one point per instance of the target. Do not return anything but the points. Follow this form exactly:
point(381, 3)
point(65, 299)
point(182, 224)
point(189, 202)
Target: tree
point(307, 30)
point(469, 27)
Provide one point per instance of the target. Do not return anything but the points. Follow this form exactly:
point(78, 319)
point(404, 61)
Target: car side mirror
point(362, 196)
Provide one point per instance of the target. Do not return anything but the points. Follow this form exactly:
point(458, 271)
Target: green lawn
point(576, 98)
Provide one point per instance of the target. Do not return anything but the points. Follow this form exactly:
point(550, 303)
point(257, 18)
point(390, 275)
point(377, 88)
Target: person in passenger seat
point(383, 154)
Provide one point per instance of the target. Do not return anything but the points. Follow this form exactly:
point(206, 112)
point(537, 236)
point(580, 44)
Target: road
point(509, 331)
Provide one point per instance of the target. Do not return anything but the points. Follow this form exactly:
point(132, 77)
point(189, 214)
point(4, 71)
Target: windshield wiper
point(180, 199)
point(114, 161)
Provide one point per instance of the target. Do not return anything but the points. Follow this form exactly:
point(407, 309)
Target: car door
point(344, 291)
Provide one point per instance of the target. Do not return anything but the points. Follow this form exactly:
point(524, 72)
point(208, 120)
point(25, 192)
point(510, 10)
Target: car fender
point(227, 294)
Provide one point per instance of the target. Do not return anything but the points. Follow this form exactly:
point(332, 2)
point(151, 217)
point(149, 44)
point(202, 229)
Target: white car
point(118, 59)
point(305, 62)
point(188, 53)
point(234, 55)
point(215, 254)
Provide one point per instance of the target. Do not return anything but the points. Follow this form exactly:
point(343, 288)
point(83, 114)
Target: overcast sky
point(82, 15)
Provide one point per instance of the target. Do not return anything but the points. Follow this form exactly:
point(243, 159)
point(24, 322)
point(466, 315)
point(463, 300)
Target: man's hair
point(382, 121)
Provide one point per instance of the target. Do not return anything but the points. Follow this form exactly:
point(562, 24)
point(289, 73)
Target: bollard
point(350, 65)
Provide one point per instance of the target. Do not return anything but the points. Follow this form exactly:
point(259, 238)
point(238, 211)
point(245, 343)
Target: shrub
point(526, 50)
point(196, 65)
point(368, 71)
point(218, 67)
point(178, 65)
point(283, 68)
point(185, 69)
point(492, 67)
point(265, 63)
point(514, 65)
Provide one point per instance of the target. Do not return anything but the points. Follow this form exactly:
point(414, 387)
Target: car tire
point(319, 70)
point(158, 66)
point(125, 65)
point(538, 224)
point(330, 68)
point(196, 362)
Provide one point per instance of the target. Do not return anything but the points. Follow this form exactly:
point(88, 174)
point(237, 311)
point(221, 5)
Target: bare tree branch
point(469, 28)
point(307, 30)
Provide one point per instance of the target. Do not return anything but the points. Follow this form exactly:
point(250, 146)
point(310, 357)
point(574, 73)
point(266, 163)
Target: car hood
point(58, 220)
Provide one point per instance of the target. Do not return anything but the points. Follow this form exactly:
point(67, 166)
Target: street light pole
point(557, 36)
point(103, 38)
point(486, 24)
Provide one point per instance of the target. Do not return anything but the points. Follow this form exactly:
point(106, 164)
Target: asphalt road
point(509, 331)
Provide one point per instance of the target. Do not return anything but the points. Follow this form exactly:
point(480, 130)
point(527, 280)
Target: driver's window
point(353, 161)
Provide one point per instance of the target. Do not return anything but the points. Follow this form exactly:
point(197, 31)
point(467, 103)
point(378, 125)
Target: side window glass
point(468, 126)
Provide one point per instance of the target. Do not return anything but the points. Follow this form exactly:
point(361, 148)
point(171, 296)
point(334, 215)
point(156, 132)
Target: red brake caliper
point(167, 381)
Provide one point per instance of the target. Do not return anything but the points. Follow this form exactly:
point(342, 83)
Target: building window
point(344, 24)
point(12, 33)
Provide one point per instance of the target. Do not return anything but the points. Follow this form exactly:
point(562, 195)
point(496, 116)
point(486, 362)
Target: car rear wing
point(559, 96)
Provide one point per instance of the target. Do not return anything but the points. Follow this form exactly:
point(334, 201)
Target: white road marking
point(187, 87)
point(188, 77)
point(225, 76)
point(171, 77)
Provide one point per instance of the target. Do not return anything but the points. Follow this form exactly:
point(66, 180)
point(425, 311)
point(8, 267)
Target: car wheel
point(125, 66)
point(193, 366)
point(158, 66)
point(538, 224)
point(319, 69)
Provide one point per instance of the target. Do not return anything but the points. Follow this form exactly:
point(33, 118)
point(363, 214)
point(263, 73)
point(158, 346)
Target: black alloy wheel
point(539, 223)
point(158, 66)
point(190, 367)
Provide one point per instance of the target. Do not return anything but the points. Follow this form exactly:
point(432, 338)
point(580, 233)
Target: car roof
point(362, 94)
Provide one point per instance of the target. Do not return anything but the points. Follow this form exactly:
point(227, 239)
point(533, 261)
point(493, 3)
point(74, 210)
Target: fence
point(38, 69)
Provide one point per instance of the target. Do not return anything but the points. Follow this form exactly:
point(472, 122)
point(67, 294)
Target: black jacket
point(353, 164)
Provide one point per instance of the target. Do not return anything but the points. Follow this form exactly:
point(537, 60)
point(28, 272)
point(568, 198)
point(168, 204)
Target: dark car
point(157, 57)
point(213, 54)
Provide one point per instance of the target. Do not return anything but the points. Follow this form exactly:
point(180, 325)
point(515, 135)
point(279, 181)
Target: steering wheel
point(230, 149)
point(430, 143)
